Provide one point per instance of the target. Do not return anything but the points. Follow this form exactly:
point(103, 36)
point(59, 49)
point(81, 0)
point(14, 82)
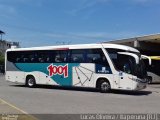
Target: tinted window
point(121, 62)
point(77, 56)
point(96, 56)
point(43, 56)
point(11, 56)
point(113, 53)
point(37, 56)
point(60, 56)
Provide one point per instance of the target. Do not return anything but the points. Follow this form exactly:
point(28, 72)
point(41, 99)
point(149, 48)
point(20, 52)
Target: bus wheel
point(30, 81)
point(104, 86)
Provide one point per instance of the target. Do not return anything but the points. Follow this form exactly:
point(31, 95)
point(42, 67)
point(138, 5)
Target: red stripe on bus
point(62, 49)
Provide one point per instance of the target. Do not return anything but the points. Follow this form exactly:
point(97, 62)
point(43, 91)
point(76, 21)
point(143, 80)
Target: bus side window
point(13, 56)
point(18, 59)
point(77, 56)
point(96, 56)
point(60, 56)
point(40, 57)
point(25, 59)
point(43, 56)
point(64, 56)
point(48, 59)
point(32, 57)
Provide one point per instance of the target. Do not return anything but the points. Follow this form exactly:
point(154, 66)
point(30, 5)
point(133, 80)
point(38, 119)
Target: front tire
point(30, 82)
point(104, 86)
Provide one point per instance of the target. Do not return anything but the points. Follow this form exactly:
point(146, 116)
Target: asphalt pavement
point(64, 100)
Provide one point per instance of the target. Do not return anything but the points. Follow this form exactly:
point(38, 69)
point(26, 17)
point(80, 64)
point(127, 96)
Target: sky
point(54, 22)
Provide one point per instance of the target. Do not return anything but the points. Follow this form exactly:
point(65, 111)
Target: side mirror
point(146, 57)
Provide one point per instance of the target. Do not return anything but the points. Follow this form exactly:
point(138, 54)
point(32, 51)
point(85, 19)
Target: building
point(148, 45)
point(4, 45)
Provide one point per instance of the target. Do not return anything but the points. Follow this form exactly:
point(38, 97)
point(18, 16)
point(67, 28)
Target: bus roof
point(78, 46)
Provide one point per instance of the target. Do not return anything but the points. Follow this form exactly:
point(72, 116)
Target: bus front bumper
point(140, 86)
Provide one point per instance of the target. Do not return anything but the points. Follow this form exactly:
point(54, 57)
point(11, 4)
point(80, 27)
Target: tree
point(2, 59)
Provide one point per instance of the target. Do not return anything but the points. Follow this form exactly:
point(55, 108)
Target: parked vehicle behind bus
point(153, 70)
point(101, 66)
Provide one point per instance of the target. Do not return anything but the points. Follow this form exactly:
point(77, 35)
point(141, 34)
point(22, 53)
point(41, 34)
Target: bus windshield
point(127, 63)
point(140, 69)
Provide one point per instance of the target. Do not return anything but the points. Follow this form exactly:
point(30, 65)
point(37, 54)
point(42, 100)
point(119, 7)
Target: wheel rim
point(30, 82)
point(105, 86)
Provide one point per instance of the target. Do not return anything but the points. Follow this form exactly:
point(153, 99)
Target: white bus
point(102, 66)
point(153, 70)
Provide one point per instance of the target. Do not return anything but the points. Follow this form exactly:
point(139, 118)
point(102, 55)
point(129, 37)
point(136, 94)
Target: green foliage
point(2, 59)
